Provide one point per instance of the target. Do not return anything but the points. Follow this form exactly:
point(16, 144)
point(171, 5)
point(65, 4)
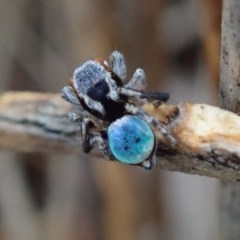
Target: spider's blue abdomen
point(131, 139)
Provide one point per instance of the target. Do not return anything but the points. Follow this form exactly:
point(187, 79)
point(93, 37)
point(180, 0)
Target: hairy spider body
point(98, 89)
point(109, 110)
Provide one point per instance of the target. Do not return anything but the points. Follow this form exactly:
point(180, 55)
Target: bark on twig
point(35, 122)
point(208, 138)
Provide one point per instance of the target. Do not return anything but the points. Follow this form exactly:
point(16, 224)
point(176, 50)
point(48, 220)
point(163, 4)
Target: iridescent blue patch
point(131, 139)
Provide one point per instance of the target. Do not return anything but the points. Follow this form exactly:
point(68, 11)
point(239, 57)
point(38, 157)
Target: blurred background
point(57, 197)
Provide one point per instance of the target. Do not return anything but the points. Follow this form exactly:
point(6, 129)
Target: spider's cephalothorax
point(98, 88)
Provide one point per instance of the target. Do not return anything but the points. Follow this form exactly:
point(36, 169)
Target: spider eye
point(99, 91)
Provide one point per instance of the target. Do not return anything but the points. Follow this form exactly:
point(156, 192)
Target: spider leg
point(150, 120)
point(148, 163)
point(86, 124)
point(75, 116)
point(160, 96)
point(68, 95)
point(118, 65)
point(137, 84)
point(88, 136)
point(97, 138)
point(138, 81)
point(91, 137)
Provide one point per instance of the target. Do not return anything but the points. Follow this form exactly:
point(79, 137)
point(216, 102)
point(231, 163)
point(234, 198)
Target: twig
point(208, 138)
point(35, 122)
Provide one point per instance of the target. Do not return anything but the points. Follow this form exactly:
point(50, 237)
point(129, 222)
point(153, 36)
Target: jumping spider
point(121, 128)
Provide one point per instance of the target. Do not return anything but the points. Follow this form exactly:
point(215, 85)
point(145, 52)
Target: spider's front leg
point(99, 139)
point(86, 124)
point(118, 65)
point(138, 81)
point(117, 62)
point(91, 136)
point(86, 127)
point(137, 84)
point(152, 121)
point(68, 95)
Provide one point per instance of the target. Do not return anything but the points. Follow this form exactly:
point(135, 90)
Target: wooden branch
point(208, 138)
point(36, 122)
